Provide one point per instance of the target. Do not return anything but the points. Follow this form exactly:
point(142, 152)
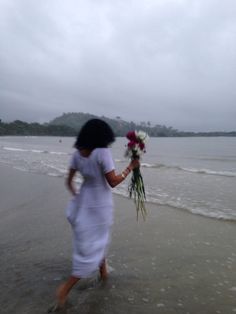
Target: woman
point(91, 210)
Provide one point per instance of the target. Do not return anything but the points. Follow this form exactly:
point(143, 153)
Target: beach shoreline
point(175, 262)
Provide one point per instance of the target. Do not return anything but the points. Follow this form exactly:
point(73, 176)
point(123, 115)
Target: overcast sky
point(169, 62)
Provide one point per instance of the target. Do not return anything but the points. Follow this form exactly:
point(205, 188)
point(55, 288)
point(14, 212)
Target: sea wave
point(153, 197)
point(218, 159)
point(220, 214)
point(210, 172)
point(59, 170)
point(193, 170)
point(15, 149)
point(37, 151)
point(58, 153)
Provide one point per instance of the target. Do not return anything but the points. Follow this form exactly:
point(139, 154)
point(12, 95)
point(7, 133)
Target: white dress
point(91, 211)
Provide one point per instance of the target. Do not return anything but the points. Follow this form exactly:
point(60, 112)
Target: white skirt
point(91, 237)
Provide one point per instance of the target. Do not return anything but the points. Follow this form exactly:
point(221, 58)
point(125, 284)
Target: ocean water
point(193, 174)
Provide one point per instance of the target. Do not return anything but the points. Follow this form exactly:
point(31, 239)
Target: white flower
point(129, 151)
point(142, 136)
point(137, 150)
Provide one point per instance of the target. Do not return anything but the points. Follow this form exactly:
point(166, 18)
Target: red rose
point(131, 136)
point(141, 146)
point(131, 144)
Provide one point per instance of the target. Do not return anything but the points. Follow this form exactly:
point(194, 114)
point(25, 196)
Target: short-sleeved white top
point(94, 191)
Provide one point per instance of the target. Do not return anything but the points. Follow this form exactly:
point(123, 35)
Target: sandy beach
point(175, 262)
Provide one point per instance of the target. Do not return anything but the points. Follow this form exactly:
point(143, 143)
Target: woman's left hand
point(135, 163)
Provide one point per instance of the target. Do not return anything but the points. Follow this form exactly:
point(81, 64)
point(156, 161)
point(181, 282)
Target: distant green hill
point(120, 127)
point(69, 124)
point(19, 127)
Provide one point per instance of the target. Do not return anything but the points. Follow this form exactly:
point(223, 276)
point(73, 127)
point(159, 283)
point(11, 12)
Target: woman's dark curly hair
point(93, 134)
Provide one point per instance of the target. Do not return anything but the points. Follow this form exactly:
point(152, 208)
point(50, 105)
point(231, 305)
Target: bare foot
point(103, 271)
point(61, 295)
point(55, 308)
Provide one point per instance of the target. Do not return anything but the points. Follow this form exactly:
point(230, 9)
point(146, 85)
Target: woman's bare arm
point(69, 181)
point(114, 179)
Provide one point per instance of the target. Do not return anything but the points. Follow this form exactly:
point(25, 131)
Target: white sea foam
point(165, 200)
point(146, 165)
point(192, 170)
point(38, 151)
point(60, 170)
point(58, 153)
point(50, 174)
point(210, 172)
point(15, 149)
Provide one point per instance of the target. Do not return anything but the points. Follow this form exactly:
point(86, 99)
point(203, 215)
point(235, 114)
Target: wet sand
point(175, 262)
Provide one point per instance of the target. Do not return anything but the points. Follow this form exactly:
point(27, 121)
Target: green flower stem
point(137, 191)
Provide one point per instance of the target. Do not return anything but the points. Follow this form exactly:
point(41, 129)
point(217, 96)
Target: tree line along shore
point(68, 124)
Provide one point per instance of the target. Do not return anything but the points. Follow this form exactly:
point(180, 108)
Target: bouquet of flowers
point(135, 148)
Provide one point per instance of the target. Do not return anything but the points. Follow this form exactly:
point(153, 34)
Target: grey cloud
point(169, 62)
